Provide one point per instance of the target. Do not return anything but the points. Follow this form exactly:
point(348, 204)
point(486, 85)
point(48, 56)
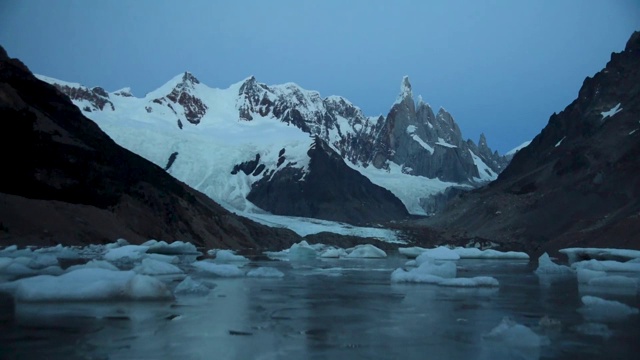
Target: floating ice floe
point(90, 285)
point(514, 341)
point(578, 254)
point(222, 270)
point(475, 253)
point(548, 267)
point(94, 264)
point(175, 248)
point(333, 253)
point(607, 265)
point(126, 253)
point(224, 256)
point(440, 274)
point(156, 267)
point(411, 252)
point(599, 309)
point(439, 253)
point(188, 286)
point(594, 329)
point(265, 272)
point(366, 251)
point(466, 253)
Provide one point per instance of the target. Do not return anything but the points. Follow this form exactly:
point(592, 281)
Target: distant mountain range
point(251, 147)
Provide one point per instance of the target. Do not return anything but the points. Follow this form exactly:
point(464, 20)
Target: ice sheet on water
point(126, 253)
point(599, 309)
point(439, 253)
point(411, 252)
point(614, 281)
point(477, 281)
point(594, 329)
point(59, 251)
point(607, 265)
point(475, 253)
point(175, 248)
point(222, 270)
point(586, 275)
point(90, 285)
point(548, 267)
point(578, 254)
point(265, 272)
point(514, 341)
point(224, 256)
point(94, 264)
point(188, 286)
point(440, 274)
point(366, 251)
point(156, 267)
point(333, 253)
point(171, 259)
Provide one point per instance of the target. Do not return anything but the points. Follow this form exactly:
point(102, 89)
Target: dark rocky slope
point(576, 184)
point(328, 189)
point(65, 181)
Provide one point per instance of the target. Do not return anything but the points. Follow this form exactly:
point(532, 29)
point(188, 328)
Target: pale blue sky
point(500, 67)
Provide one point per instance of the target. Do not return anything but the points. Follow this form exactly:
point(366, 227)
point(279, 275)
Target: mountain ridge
point(187, 107)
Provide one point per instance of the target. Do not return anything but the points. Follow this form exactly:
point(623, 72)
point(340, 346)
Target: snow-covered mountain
point(204, 135)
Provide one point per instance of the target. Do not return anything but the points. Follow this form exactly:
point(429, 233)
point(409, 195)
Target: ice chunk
point(548, 267)
point(171, 259)
point(471, 282)
point(222, 270)
point(366, 251)
point(91, 285)
point(614, 281)
point(475, 253)
point(142, 287)
point(265, 272)
point(585, 275)
point(175, 248)
point(9, 249)
point(188, 286)
point(119, 243)
point(594, 329)
point(156, 267)
point(4, 262)
point(439, 253)
point(59, 251)
point(51, 270)
point(513, 341)
point(427, 272)
point(411, 252)
point(578, 254)
point(301, 251)
point(126, 253)
point(599, 309)
point(42, 261)
point(607, 265)
point(333, 253)
point(400, 275)
point(16, 268)
point(229, 256)
point(94, 264)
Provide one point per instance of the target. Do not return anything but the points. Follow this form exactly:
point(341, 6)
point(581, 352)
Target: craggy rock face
point(330, 190)
point(438, 152)
point(577, 183)
point(68, 182)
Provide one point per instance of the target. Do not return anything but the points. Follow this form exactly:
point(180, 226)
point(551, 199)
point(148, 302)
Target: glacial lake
point(335, 309)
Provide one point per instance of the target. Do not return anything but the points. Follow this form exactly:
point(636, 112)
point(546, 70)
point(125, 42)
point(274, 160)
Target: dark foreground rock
point(577, 184)
point(65, 181)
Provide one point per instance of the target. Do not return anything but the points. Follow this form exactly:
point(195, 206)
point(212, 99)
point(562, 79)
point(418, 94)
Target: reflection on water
point(333, 309)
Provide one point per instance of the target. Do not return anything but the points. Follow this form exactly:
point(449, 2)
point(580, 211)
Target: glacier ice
point(222, 270)
point(366, 251)
point(548, 267)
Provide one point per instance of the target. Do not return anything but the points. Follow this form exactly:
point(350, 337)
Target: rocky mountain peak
point(405, 90)
point(633, 44)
